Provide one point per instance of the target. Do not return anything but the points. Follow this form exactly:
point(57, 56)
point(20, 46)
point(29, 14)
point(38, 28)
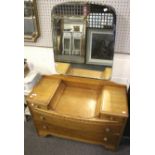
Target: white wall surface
point(121, 64)
point(121, 69)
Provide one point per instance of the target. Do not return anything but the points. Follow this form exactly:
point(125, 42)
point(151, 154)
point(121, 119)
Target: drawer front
point(82, 135)
point(97, 127)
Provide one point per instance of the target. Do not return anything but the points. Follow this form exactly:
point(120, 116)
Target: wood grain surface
point(83, 109)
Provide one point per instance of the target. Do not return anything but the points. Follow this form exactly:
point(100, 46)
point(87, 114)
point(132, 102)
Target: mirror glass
point(83, 39)
point(31, 26)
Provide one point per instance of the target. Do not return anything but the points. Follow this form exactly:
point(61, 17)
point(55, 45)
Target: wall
point(121, 66)
point(121, 69)
point(122, 44)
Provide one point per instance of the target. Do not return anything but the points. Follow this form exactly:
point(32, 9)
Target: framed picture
point(100, 47)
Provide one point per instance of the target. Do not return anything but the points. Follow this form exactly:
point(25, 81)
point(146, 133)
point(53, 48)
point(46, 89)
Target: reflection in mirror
point(83, 39)
point(31, 24)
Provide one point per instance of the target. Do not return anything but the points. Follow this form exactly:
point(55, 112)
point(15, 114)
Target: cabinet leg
point(42, 134)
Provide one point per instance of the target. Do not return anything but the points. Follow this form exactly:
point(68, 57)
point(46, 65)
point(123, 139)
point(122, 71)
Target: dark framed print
point(100, 47)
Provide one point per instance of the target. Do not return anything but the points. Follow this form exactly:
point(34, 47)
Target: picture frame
point(100, 47)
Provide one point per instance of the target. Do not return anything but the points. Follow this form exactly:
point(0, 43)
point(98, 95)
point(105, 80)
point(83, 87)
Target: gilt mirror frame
point(35, 35)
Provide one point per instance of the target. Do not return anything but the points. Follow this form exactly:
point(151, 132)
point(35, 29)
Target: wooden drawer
point(75, 124)
point(110, 141)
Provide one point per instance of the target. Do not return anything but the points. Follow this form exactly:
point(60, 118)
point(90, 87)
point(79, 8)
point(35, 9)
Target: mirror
point(31, 23)
point(83, 39)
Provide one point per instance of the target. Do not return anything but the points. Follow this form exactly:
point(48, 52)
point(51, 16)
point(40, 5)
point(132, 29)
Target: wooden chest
point(83, 109)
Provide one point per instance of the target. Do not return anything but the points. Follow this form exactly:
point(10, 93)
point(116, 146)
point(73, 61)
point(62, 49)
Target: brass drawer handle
point(111, 118)
point(107, 129)
point(44, 127)
point(105, 139)
point(42, 117)
point(34, 105)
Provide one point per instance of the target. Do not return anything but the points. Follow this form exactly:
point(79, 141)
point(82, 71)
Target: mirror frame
point(35, 35)
point(63, 67)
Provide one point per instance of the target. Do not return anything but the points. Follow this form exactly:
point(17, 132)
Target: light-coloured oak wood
point(76, 123)
point(85, 73)
point(108, 141)
point(68, 69)
point(114, 101)
point(79, 102)
point(82, 109)
point(43, 92)
point(62, 68)
point(57, 96)
point(107, 73)
point(85, 81)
